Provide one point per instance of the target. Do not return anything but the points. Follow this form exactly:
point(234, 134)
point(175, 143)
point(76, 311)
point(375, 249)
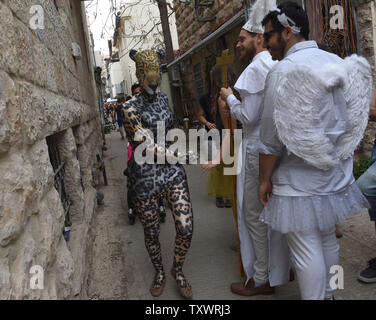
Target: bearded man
point(315, 112)
point(253, 234)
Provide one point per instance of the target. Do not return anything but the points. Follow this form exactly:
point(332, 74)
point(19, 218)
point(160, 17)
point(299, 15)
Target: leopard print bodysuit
point(147, 182)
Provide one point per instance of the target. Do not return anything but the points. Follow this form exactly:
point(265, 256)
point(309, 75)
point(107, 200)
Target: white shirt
point(292, 176)
point(250, 86)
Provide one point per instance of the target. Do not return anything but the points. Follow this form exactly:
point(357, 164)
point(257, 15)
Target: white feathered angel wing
point(299, 97)
point(358, 95)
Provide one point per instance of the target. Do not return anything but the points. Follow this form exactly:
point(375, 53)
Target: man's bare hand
point(209, 165)
point(265, 190)
point(211, 125)
point(225, 93)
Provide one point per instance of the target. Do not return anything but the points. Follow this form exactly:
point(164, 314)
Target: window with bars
point(199, 84)
point(59, 181)
point(210, 64)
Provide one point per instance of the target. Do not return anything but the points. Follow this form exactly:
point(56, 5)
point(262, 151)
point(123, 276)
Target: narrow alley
point(121, 268)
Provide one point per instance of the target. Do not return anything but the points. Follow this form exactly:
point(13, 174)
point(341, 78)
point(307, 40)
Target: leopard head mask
point(148, 69)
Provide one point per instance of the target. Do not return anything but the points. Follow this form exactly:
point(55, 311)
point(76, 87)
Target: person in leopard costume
point(147, 182)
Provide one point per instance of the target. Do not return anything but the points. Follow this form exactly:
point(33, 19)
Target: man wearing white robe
point(253, 234)
point(307, 126)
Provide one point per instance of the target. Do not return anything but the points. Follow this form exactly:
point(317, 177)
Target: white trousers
point(252, 209)
point(314, 253)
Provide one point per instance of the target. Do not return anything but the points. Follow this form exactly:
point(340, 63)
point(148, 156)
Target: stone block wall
point(367, 32)
point(367, 39)
point(190, 31)
point(45, 92)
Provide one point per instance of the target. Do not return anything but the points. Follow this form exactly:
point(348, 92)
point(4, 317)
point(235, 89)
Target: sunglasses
point(268, 35)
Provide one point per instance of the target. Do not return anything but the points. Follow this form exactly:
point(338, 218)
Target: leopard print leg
point(178, 196)
point(149, 217)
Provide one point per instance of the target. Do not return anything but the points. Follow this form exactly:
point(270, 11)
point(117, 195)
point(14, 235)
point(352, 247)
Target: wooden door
point(325, 28)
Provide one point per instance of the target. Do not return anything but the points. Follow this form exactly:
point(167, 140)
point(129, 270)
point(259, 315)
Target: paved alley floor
point(122, 269)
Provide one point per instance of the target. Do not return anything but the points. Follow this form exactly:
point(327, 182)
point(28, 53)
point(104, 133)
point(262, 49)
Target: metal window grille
point(198, 79)
point(59, 181)
point(210, 64)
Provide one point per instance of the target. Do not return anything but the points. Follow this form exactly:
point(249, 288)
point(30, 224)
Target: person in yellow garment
point(212, 107)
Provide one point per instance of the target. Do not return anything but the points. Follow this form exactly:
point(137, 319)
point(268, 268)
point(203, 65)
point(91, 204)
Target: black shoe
point(227, 203)
point(131, 217)
point(368, 275)
point(219, 203)
point(162, 214)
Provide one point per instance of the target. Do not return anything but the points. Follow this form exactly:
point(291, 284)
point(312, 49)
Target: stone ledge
point(80, 244)
point(45, 113)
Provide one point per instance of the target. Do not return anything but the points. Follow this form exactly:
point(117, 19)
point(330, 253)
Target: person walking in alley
point(149, 181)
point(119, 112)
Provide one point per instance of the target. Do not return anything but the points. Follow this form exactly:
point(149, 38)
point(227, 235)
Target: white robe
point(250, 86)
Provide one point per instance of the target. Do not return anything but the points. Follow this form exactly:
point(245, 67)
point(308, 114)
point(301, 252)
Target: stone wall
point(45, 91)
point(367, 38)
point(191, 31)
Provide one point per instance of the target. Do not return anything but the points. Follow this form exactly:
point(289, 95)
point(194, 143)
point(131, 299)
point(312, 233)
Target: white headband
point(286, 21)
